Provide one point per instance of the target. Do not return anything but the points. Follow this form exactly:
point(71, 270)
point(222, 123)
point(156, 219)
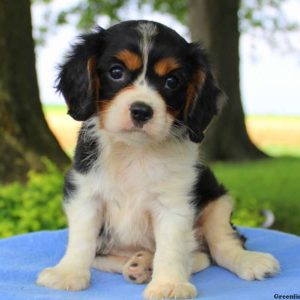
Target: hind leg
point(110, 263)
point(200, 261)
point(226, 246)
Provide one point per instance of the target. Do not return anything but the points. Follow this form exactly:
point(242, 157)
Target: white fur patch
point(130, 184)
point(147, 31)
point(134, 183)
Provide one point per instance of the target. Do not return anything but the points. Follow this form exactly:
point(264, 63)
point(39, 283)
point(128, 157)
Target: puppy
point(137, 199)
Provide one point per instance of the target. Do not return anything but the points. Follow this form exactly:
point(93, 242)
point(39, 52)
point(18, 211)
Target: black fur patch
point(104, 247)
point(239, 236)
point(69, 186)
point(205, 249)
point(87, 151)
point(206, 188)
point(103, 46)
point(132, 278)
point(73, 78)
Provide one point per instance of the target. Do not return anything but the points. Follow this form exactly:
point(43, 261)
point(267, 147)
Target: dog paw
point(256, 265)
point(172, 290)
point(139, 267)
point(64, 278)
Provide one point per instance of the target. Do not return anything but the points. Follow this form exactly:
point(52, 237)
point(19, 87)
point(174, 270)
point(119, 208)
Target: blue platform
point(23, 257)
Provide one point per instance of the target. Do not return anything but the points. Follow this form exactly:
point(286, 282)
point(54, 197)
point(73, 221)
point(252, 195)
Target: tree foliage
point(266, 15)
point(32, 206)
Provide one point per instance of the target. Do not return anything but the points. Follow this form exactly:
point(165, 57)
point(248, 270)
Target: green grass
point(33, 206)
point(271, 183)
point(55, 108)
point(281, 150)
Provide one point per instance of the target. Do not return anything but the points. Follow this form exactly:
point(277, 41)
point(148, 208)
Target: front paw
point(256, 265)
point(170, 290)
point(64, 278)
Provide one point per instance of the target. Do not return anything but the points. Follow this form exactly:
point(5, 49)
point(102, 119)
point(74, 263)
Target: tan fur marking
point(110, 263)
point(192, 90)
point(172, 113)
point(94, 79)
point(165, 66)
point(131, 60)
point(103, 105)
point(91, 65)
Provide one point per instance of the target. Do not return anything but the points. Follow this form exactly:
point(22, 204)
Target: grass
point(55, 108)
point(271, 183)
point(280, 150)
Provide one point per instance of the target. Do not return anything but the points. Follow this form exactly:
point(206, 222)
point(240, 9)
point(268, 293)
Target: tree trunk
point(215, 25)
point(24, 134)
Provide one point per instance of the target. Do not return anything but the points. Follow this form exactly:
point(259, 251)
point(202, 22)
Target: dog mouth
point(137, 129)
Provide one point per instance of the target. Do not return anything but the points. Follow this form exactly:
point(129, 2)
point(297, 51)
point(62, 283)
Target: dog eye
point(117, 73)
point(171, 82)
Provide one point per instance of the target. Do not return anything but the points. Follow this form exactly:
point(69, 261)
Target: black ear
point(76, 77)
point(208, 98)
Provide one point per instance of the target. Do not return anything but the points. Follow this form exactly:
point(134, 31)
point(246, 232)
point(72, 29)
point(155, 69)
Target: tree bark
point(215, 25)
point(24, 134)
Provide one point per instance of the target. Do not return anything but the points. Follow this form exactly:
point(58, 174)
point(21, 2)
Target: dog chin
point(135, 137)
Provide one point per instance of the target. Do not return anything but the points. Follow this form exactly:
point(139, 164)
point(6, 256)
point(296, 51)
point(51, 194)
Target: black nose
point(141, 112)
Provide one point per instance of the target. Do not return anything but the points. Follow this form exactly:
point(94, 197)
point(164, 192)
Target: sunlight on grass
point(270, 183)
point(55, 109)
point(279, 150)
point(276, 135)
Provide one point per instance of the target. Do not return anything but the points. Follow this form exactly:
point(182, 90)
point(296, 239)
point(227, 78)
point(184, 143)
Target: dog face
point(143, 80)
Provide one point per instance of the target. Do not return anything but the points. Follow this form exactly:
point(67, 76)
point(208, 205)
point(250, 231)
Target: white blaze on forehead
point(148, 31)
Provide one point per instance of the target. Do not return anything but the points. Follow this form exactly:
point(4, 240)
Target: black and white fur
point(137, 194)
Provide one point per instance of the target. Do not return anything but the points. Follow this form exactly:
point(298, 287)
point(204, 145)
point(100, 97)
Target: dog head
point(143, 80)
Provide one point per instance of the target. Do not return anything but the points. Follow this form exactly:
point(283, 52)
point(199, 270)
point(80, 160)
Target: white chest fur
point(131, 182)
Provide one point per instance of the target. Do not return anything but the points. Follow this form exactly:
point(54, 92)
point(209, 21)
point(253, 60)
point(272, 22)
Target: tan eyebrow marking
point(131, 60)
point(165, 66)
point(192, 90)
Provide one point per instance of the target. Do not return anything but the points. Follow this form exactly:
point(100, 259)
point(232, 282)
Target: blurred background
point(253, 147)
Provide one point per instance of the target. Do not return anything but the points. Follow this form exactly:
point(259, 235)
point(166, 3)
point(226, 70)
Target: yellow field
point(277, 130)
point(276, 135)
point(64, 128)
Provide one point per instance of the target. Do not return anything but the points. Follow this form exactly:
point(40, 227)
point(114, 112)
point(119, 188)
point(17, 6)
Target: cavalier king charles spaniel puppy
point(138, 200)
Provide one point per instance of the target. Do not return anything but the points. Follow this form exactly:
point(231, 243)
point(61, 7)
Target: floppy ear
point(77, 79)
point(206, 97)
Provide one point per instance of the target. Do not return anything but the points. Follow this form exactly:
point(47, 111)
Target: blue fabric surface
point(23, 257)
